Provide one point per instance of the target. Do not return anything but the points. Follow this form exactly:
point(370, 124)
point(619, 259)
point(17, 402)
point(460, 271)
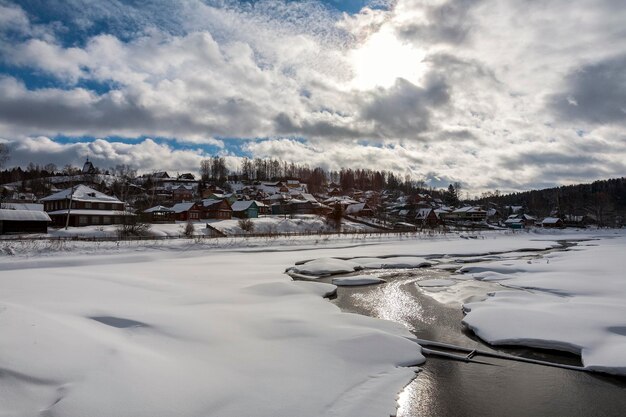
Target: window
point(101, 206)
point(95, 219)
point(82, 220)
point(106, 220)
point(87, 205)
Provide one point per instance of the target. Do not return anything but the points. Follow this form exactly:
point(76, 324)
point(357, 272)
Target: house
point(85, 206)
point(216, 209)
point(514, 223)
point(469, 213)
point(23, 221)
point(580, 220)
point(245, 209)
point(186, 177)
point(160, 214)
point(182, 193)
point(359, 210)
point(294, 206)
point(519, 221)
point(427, 217)
point(552, 222)
point(230, 198)
point(187, 211)
point(263, 208)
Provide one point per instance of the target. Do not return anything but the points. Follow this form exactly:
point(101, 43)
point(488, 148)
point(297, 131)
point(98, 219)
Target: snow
point(574, 301)
point(427, 283)
point(357, 280)
point(23, 215)
point(214, 327)
point(81, 193)
point(324, 267)
point(393, 262)
point(173, 333)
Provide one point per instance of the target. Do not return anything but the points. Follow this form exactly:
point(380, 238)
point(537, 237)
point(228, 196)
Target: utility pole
point(67, 220)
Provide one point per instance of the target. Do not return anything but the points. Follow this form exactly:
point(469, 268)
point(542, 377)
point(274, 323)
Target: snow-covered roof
point(23, 206)
point(182, 207)
point(158, 208)
point(210, 202)
point(423, 213)
point(469, 209)
point(82, 193)
point(183, 187)
point(573, 218)
point(242, 205)
point(24, 215)
point(551, 220)
point(309, 197)
point(355, 208)
point(341, 200)
point(82, 212)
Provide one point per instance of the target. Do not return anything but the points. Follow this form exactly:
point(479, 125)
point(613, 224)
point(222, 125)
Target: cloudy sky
point(506, 94)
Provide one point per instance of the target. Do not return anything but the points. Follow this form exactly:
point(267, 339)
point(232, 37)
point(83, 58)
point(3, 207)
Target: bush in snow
point(134, 229)
point(246, 225)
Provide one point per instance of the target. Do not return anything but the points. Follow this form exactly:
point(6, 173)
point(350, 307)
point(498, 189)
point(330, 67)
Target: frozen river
point(494, 388)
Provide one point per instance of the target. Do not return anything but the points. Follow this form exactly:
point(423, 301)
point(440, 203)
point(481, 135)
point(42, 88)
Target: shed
point(245, 209)
point(553, 222)
point(23, 221)
point(160, 214)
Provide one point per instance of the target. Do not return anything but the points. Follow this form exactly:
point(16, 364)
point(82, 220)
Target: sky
point(493, 94)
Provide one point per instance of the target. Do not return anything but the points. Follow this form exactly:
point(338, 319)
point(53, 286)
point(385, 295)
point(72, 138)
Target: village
point(91, 198)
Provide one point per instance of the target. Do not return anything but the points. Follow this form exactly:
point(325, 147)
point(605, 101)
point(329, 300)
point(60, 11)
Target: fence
point(111, 238)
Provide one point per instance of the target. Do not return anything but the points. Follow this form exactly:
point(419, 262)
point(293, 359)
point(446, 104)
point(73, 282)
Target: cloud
point(594, 94)
point(449, 22)
point(145, 156)
point(485, 92)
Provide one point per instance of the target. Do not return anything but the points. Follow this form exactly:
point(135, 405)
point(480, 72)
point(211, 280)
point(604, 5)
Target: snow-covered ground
point(216, 328)
point(298, 224)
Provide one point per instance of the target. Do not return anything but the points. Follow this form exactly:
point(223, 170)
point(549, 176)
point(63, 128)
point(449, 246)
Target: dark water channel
point(501, 388)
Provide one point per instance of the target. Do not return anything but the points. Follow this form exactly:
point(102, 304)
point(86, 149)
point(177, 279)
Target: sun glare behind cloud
point(383, 58)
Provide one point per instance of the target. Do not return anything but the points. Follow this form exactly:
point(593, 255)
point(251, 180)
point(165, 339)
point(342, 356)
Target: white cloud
point(475, 91)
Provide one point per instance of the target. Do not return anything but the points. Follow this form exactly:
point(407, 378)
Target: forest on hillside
point(604, 200)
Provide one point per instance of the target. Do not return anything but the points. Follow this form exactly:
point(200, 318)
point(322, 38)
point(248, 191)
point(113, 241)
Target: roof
point(355, 208)
point(158, 209)
point(24, 215)
point(91, 212)
point(23, 206)
point(551, 220)
point(243, 205)
point(82, 193)
point(182, 207)
point(211, 202)
point(469, 209)
point(423, 213)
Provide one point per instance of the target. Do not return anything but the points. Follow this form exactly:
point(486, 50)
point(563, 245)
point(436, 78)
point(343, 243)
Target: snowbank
point(357, 280)
point(166, 333)
point(575, 301)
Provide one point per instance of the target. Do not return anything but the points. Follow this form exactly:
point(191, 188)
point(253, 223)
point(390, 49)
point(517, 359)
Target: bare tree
point(4, 154)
